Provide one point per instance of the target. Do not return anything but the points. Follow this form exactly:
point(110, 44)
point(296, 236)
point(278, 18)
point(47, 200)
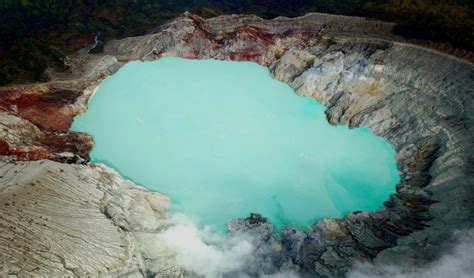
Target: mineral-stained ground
point(64, 216)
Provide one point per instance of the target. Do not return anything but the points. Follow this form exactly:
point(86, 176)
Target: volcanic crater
point(85, 219)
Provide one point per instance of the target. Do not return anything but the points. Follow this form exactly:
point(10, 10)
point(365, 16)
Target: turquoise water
point(224, 139)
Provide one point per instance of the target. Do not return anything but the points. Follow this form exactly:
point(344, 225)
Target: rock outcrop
point(419, 100)
point(72, 220)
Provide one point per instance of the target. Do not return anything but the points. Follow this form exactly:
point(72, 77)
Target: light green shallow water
point(224, 139)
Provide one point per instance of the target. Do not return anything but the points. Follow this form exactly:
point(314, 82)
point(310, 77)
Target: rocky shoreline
point(419, 100)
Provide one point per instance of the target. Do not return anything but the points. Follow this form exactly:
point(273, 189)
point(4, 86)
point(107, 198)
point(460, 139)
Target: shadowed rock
point(419, 100)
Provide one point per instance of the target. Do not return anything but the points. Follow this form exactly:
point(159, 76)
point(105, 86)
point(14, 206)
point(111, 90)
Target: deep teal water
point(224, 139)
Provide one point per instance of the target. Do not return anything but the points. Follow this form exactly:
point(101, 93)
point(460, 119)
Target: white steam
point(204, 252)
point(213, 255)
point(457, 264)
point(209, 253)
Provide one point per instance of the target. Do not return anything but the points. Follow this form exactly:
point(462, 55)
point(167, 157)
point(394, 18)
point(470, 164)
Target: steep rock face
point(48, 109)
point(419, 100)
point(61, 220)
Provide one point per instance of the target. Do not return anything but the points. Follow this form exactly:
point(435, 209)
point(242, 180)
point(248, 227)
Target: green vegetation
point(36, 34)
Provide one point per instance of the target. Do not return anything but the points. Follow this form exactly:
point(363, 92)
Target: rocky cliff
point(64, 215)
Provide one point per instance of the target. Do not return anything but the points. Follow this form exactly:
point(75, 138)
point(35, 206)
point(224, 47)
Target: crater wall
point(418, 99)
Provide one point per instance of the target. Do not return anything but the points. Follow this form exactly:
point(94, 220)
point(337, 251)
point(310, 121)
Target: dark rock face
point(333, 245)
point(421, 101)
